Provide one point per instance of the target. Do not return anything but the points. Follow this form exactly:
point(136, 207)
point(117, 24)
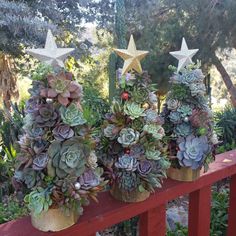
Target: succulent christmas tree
point(133, 152)
point(188, 118)
point(57, 165)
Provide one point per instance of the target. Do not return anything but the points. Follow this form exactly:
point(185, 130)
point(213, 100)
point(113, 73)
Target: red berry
point(125, 95)
point(127, 151)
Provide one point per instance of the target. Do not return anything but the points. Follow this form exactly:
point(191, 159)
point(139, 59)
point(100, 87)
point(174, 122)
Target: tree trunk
point(8, 86)
point(226, 78)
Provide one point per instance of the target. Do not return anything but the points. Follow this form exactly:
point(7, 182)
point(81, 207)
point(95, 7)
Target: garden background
point(94, 28)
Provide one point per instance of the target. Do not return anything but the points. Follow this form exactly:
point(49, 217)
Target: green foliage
point(10, 127)
point(179, 231)
point(179, 92)
point(11, 123)
point(11, 210)
point(41, 72)
point(226, 147)
point(112, 75)
point(219, 216)
point(219, 213)
point(94, 106)
point(226, 120)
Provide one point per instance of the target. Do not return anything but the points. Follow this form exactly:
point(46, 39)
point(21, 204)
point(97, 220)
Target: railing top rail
point(109, 211)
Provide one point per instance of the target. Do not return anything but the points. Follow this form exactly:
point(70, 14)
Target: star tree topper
point(131, 56)
point(51, 54)
point(184, 55)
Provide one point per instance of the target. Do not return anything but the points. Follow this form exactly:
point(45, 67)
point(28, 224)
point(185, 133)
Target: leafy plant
point(179, 231)
point(226, 120)
point(11, 210)
point(94, 107)
point(219, 213)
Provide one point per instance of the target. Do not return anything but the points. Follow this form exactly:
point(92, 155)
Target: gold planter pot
point(183, 174)
point(54, 220)
point(126, 196)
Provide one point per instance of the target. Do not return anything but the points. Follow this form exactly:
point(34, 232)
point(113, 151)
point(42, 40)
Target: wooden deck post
point(153, 222)
point(200, 212)
point(232, 208)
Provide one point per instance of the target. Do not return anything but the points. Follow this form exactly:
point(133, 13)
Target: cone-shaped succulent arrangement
point(189, 120)
point(133, 152)
point(57, 165)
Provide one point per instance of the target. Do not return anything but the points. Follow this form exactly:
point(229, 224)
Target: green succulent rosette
point(69, 157)
point(133, 110)
point(156, 131)
point(71, 115)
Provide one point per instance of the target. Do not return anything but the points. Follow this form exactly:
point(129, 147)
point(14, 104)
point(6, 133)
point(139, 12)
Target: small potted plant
point(56, 166)
point(188, 120)
point(132, 150)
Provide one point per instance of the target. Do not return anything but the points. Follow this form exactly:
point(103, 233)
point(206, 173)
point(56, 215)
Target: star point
point(51, 54)
point(131, 57)
point(184, 56)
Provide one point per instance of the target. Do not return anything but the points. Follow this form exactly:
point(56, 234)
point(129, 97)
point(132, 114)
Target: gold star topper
point(131, 56)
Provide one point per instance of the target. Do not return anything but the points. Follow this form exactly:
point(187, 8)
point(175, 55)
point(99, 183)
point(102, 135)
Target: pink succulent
point(63, 88)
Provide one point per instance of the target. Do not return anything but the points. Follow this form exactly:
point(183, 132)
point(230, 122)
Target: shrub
point(226, 121)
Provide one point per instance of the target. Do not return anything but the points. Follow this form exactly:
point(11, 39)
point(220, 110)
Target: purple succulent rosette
point(144, 167)
point(193, 151)
point(32, 105)
point(89, 180)
point(40, 162)
point(45, 116)
point(62, 132)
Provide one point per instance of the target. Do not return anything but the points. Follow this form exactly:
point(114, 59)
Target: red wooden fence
point(152, 211)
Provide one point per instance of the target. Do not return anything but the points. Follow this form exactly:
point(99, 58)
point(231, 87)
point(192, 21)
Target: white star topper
point(184, 55)
point(51, 54)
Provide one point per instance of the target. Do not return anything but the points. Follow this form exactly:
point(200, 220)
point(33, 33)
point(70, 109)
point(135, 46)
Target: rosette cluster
point(133, 152)
point(189, 120)
point(57, 163)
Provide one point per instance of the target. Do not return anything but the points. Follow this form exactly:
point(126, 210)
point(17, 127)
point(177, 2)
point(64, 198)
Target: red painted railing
point(152, 211)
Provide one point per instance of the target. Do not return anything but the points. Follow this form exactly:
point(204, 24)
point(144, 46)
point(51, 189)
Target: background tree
point(159, 26)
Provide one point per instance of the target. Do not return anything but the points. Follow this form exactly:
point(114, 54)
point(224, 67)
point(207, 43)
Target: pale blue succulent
point(128, 137)
point(183, 129)
point(127, 162)
point(185, 110)
point(197, 89)
point(109, 131)
point(151, 116)
point(189, 77)
point(193, 151)
point(175, 117)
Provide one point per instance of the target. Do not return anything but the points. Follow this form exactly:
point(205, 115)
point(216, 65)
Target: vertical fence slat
point(153, 222)
point(232, 208)
point(200, 212)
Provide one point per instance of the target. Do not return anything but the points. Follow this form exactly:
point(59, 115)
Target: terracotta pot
point(183, 174)
point(126, 196)
point(54, 220)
